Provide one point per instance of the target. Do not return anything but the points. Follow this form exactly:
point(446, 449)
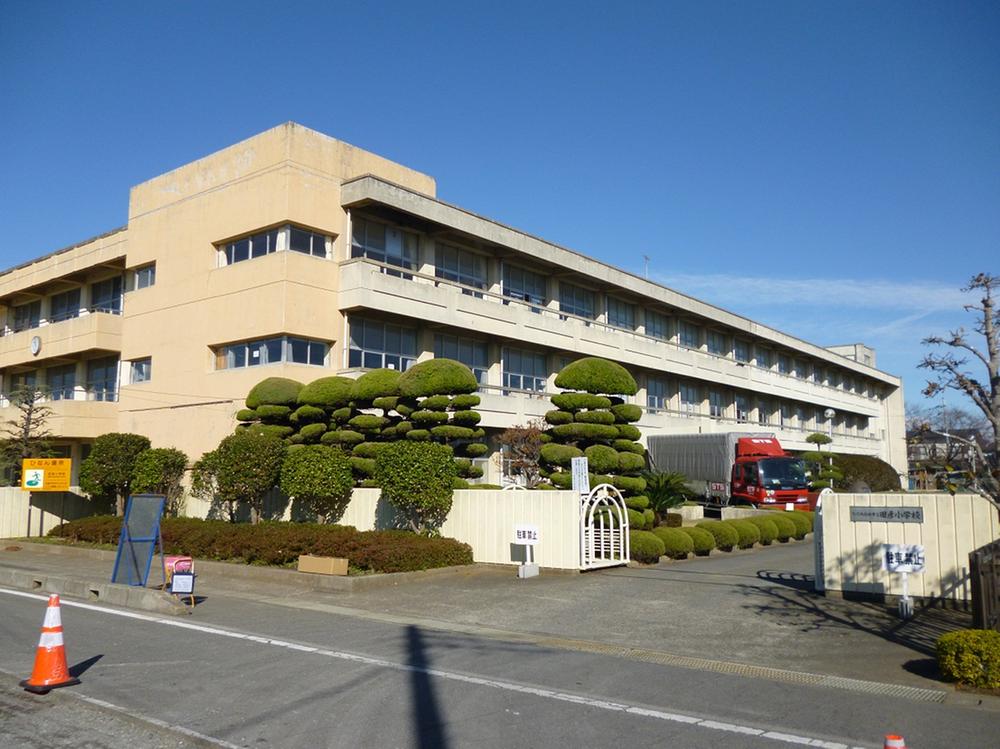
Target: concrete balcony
point(73, 419)
point(93, 331)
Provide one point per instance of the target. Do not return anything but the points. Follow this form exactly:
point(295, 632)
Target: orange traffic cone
point(892, 741)
point(50, 658)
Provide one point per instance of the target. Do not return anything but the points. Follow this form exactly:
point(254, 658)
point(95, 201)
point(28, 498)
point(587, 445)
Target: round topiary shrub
point(866, 471)
point(629, 462)
point(307, 415)
point(341, 415)
point(247, 414)
point(786, 527)
point(637, 503)
point(628, 446)
point(418, 435)
point(275, 430)
point(587, 432)
point(748, 532)
point(636, 519)
point(274, 391)
point(367, 422)
point(312, 432)
point(726, 537)
point(327, 393)
point(363, 467)
point(628, 432)
point(562, 480)
point(342, 437)
point(701, 539)
point(386, 402)
point(626, 412)
point(450, 432)
point(368, 449)
point(464, 403)
point(436, 403)
point(557, 417)
point(554, 454)
point(768, 530)
point(476, 450)
point(645, 547)
point(273, 414)
point(426, 419)
point(676, 544)
point(577, 401)
point(650, 517)
point(629, 484)
point(437, 377)
point(803, 524)
point(466, 418)
point(596, 376)
point(377, 383)
point(970, 656)
point(594, 417)
point(601, 459)
point(417, 478)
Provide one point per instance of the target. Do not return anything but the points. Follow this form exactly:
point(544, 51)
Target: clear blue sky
point(830, 169)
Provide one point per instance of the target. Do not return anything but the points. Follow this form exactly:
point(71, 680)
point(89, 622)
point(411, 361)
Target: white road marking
point(508, 686)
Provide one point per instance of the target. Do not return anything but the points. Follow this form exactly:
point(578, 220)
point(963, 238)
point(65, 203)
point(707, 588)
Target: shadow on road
point(427, 718)
point(79, 668)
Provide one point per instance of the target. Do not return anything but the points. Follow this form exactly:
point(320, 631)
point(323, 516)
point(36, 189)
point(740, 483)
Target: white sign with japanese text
point(526, 535)
point(581, 475)
point(903, 557)
point(887, 514)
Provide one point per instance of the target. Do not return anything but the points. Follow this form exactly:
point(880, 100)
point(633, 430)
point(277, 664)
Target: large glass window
point(27, 316)
point(763, 358)
point(271, 351)
point(106, 296)
point(469, 351)
point(716, 343)
point(690, 398)
point(621, 314)
point(787, 415)
point(716, 404)
point(60, 382)
point(742, 403)
point(764, 409)
point(460, 266)
point(524, 370)
point(102, 379)
point(657, 396)
point(377, 345)
point(574, 300)
point(741, 351)
point(690, 335)
point(256, 245)
point(784, 364)
point(306, 242)
point(141, 370)
point(524, 285)
point(384, 244)
point(65, 306)
point(657, 325)
point(145, 276)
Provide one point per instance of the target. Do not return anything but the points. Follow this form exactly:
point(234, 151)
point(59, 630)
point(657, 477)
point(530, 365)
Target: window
point(102, 379)
point(690, 398)
point(786, 415)
point(657, 325)
point(384, 244)
point(763, 358)
point(271, 351)
point(764, 412)
point(742, 409)
point(784, 364)
point(576, 301)
point(306, 242)
point(141, 370)
point(106, 296)
point(65, 306)
point(800, 369)
point(145, 276)
point(621, 314)
point(460, 266)
point(27, 316)
point(525, 285)
point(716, 404)
point(717, 343)
point(256, 245)
point(690, 335)
point(801, 418)
point(377, 345)
point(524, 370)
point(472, 353)
point(741, 351)
point(61, 382)
point(657, 397)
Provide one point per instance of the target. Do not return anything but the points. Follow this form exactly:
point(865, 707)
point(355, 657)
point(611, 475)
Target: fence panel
point(28, 514)
point(984, 566)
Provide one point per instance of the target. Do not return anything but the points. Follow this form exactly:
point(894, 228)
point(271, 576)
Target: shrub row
point(279, 543)
point(970, 656)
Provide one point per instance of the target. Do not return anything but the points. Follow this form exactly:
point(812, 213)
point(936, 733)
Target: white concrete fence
point(36, 513)
point(850, 553)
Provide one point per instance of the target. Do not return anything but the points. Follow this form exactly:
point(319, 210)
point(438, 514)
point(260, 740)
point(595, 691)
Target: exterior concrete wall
point(952, 527)
point(34, 514)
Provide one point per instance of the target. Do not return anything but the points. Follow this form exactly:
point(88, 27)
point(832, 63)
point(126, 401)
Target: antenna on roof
point(646, 266)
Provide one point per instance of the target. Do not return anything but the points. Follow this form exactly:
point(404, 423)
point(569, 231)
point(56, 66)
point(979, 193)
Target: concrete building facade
point(293, 254)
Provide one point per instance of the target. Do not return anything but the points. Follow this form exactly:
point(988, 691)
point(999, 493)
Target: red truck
point(734, 468)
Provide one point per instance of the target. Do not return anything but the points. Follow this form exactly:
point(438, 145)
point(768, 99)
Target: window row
point(96, 379)
point(271, 351)
point(288, 237)
point(101, 296)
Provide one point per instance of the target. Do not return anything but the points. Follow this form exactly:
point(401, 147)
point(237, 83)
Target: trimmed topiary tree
point(748, 532)
point(597, 377)
point(160, 470)
point(725, 535)
point(702, 541)
point(247, 466)
point(768, 530)
point(645, 547)
point(320, 477)
point(417, 479)
point(109, 469)
point(677, 544)
point(274, 391)
point(786, 527)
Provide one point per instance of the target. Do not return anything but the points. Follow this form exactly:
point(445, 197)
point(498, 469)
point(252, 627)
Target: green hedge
point(677, 544)
point(597, 376)
point(437, 377)
point(274, 391)
point(281, 544)
point(786, 527)
point(878, 475)
point(327, 393)
point(636, 519)
point(768, 529)
point(749, 533)
point(803, 524)
point(417, 479)
point(702, 540)
point(970, 656)
point(645, 547)
point(342, 437)
point(577, 401)
point(726, 537)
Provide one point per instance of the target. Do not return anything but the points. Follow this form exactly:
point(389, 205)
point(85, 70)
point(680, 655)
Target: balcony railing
point(61, 317)
point(50, 397)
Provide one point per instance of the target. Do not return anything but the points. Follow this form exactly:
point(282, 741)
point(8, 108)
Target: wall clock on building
point(36, 345)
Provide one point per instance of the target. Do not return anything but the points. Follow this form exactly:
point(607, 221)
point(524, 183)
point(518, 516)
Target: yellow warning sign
point(46, 474)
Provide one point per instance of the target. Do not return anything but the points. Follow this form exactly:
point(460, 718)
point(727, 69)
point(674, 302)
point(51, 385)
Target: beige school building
point(297, 255)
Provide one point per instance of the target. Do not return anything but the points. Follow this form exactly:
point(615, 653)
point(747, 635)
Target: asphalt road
point(252, 674)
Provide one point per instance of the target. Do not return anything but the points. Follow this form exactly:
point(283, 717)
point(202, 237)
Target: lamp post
point(829, 414)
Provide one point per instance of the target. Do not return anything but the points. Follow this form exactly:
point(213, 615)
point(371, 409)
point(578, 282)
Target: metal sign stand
point(905, 603)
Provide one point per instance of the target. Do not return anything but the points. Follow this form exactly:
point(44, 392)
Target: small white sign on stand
point(581, 475)
point(904, 559)
point(527, 536)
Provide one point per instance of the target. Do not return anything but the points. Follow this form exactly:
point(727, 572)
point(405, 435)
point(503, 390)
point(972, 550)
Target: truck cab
point(764, 474)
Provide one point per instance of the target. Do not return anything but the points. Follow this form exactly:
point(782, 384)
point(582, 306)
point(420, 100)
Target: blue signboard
point(138, 540)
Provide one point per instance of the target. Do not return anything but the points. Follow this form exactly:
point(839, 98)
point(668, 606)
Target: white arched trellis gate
point(603, 528)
